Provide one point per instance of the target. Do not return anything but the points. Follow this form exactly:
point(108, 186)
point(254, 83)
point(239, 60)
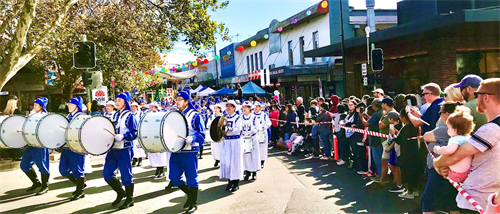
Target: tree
point(127, 33)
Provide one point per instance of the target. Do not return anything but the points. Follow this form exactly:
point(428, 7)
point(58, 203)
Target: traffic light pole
point(89, 96)
point(344, 73)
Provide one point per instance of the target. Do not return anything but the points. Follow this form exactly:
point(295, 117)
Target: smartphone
point(408, 102)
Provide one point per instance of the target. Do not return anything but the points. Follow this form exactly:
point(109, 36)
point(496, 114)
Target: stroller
point(295, 141)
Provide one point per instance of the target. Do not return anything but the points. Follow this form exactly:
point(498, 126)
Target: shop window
point(260, 60)
point(248, 64)
point(483, 63)
point(251, 62)
point(315, 38)
point(256, 62)
point(301, 47)
point(405, 75)
point(290, 53)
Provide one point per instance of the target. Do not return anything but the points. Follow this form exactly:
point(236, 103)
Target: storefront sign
point(100, 95)
point(225, 81)
point(287, 79)
point(311, 78)
point(280, 71)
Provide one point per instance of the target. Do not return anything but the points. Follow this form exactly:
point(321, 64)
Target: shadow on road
point(37, 206)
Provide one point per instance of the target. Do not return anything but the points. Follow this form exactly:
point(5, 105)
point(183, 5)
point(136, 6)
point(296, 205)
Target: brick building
point(438, 47)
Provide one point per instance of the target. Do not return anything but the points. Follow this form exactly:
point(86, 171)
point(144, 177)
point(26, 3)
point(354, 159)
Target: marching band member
point(231, 156)
point(39, 156)
point(157, 159)
point(110, 111)
point(144, 108)
point(138, 151)
point(250, 126)
point(200, 111)
point(163, 106)
point(186, 162)
point(266, 123)
point(120, 156)
point(215, 146)
point(72, 165)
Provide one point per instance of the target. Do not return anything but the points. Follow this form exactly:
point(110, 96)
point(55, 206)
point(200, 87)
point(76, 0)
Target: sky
point(245, 17)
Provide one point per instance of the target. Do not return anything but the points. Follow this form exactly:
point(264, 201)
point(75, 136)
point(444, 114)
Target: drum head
point(93, 138)
point(215, 133)
point(173, 124)
point(11, 132)
point(49, 131)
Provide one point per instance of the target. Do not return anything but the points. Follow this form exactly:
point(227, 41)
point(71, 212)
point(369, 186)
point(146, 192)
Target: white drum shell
point(11, 136)
point(2, 144)
point(156, 131)
point(261, 138)
point(29, 130)
point(248, 144)
point(44, 130)
point(175, 124)
point(86, 135)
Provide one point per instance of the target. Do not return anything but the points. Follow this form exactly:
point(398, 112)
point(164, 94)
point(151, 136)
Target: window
point(482, 63)
point(256, 62)
point(248, 64)
point(301, 43)
point(290, 53)
point(251, 62)
point(260, 60)
point(315, 43)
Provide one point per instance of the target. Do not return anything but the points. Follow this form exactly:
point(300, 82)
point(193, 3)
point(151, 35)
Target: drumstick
point(181, 137)
point(109, 131)
point(62, 127)
point(19, 130)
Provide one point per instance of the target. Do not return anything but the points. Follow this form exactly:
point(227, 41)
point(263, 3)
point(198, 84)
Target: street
point(287, 184)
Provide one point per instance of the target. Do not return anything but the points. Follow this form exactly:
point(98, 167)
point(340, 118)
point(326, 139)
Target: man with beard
point(468, 86)
point(484, 145)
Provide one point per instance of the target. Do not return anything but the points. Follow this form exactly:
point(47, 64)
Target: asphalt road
point(287, 184)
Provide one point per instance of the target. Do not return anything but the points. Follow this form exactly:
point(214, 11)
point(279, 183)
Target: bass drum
point(158, 131)
point(87, 135)
point(11, 128)
point(45, 130)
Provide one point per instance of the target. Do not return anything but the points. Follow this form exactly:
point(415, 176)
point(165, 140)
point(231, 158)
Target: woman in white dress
point(265, 124)
point(215, 146)
point(139, 152)
point(250, 125)
point(231, 156)
point(157, 159)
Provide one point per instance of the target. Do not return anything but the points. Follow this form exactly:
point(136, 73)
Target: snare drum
point(44, 130)
point(87, 135)
point(158, 131)
point(261, 138)
point(11, 128)
point(248, 144)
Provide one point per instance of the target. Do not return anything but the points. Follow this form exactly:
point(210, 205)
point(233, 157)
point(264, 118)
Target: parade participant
point(250, 125)
point(110, 111)
point(143, 109)
point(186, 162)
point(159, 160)
point(231, 157)
point(200, 110)
point(164, 106)
point(72, 164)
point(138, 150)
point(39, 156)
point(265, 122)
point(215, 146)
point(120, 156)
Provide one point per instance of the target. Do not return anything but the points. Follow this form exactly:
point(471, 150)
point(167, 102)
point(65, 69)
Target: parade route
point(287, 184)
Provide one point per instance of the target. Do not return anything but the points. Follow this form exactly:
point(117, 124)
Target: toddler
point(460, 125)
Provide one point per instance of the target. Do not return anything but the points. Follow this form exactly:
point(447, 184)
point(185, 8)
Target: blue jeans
point(287, 136)
point(377, 157)
point(438, 194)
point(325, 141)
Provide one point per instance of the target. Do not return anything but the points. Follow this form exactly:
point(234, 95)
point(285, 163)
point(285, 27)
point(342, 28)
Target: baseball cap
point(378, 90)
point(471, 80)
point(388, 101)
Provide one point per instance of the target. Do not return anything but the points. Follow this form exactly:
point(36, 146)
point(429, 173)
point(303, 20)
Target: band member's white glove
point(189, 139)
point(118, 137)
point(228, 129)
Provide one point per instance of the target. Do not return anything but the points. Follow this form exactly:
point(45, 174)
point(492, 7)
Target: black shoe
point(229, 185)
point(160, 176)
point(236, 186)
point(254, 176)
point(129, 202)
point(169, 186)
point(200, 157)
point(262, 164)
point(185, 189)
point(139, 163)
point(117, 187)
point(193, 205)
point(45, 184)
point(134, 161)
point(247, 175)
point(32, 176)
point(79, 193)
point(216, 164)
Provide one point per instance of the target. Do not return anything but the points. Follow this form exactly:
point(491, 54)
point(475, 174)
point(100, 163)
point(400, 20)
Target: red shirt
point(274, 118)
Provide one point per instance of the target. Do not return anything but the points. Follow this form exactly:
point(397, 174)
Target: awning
point(223, 92)
point(251, 88)
point(207, 91)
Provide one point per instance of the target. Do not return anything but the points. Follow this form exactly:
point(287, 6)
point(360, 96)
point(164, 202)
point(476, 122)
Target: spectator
point(94, 108)
point(356, 139)
point(320, 100)
point(301, 110)
point(295, 140)
point(364, 99)
point(313, 110)
point(339, 132)
point(431, 93)
point(378, 93)
point(334, 99)
point(274, 124)
point(315, 139)
point(324, 131)
point(438, 193)
point(399, 102)
point(468, 86)
point(412, 98)
point(387, 105)
point(352, 137)
point(484, 179)
point(372, 124)
point(394, 150)
point(10, 109)
point(409, 164)
point(453, 94)
point(290, 119)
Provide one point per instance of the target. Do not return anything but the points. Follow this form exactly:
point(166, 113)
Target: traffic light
point(87, 79)
point(377, 75)
point(293, 88)
point(85, 58)
point(377, 59)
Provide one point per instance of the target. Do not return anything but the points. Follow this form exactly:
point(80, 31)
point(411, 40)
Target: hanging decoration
point(163, 70)
point(140, 72)
point(198, 60)
point(241, 49)
point(280, 29)
point(324, 4)
point(266, 36)
point(205, 61)
point(308, 13)
point(133, 72)
point(146, 72)
point(253, 43)
point(229, 53)
point(195, 64)
point(217, 57)
point(294, 21)
point(152, 71)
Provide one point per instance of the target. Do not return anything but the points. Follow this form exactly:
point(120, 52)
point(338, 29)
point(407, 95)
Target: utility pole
point(344, 73)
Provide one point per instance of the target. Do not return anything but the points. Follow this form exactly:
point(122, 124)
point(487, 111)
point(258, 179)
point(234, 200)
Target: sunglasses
point(478, 93)
point(423, 94)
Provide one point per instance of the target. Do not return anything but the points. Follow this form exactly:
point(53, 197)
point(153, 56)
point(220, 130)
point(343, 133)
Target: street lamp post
point(344, 73)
